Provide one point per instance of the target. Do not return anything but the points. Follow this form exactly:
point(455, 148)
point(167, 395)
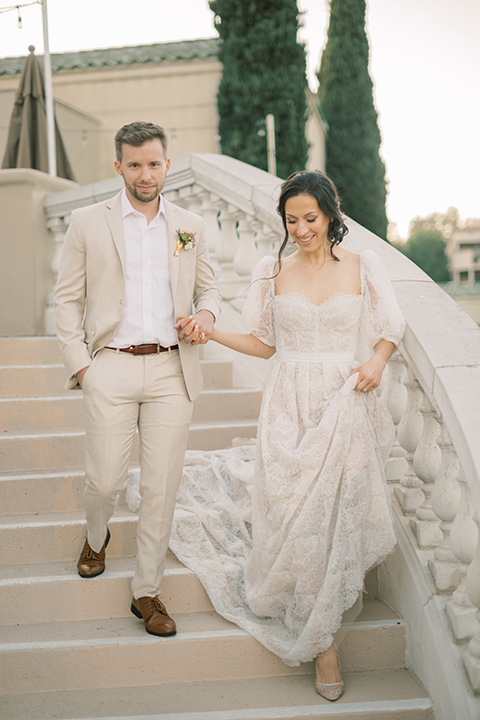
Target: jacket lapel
point(172, 218)
point(113, 215)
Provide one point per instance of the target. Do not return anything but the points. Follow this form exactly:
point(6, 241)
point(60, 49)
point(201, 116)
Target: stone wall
point(26, 250)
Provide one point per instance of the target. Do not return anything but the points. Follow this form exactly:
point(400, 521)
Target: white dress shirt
point(148, 312)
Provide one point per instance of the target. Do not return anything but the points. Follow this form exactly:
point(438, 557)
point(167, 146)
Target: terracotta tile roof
point(129, 55)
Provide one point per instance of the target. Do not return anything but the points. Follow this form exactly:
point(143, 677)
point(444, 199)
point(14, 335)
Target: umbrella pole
point(49, 108)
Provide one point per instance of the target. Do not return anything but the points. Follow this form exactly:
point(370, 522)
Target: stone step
point(44, 350)
point(43, 492)
point(57, 450)
point(114, 652)
point(54, 592)
point(38, 593)
point(66, 411)
point(59, 537)
point(45, 380)
point(386, 695)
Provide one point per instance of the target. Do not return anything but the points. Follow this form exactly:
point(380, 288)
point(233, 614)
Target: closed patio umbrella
point(27, 133)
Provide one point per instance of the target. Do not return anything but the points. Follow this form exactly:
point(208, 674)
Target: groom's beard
point(144, 193)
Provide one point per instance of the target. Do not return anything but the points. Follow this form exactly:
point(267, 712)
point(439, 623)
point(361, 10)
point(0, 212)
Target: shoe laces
point(157, 604)
point(91, 554)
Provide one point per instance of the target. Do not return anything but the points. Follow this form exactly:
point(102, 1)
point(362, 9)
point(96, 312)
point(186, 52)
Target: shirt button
point(121, 302)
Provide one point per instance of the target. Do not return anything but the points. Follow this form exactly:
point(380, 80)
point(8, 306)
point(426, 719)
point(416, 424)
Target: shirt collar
point(128, 209)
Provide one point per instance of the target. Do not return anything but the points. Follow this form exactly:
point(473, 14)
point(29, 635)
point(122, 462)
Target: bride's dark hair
point(320, 187)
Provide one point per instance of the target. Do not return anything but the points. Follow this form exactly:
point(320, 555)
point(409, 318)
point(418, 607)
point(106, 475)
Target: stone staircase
point(71, 649)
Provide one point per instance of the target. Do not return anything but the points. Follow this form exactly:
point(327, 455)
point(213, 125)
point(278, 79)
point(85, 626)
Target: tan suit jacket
point(89, 293)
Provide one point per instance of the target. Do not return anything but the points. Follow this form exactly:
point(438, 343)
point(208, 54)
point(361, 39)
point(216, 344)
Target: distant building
point(172, 84)
point(463, 251)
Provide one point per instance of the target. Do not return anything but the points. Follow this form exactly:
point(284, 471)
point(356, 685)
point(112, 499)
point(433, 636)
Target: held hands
point(195, 329)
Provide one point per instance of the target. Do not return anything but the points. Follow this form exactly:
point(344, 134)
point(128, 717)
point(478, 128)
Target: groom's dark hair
point(138, 133)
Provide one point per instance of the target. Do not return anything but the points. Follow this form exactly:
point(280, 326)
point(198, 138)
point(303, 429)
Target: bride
point(282, 534)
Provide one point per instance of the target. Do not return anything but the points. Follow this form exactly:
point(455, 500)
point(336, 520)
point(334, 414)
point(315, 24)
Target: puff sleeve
point(381, 317)
point(257, 310)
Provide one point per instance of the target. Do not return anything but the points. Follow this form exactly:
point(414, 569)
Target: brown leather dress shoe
point(90, 563)
point(154, 613)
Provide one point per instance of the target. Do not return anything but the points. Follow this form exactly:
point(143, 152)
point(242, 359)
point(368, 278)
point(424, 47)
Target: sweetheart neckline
point(317, 305)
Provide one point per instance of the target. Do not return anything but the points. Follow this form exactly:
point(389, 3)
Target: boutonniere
point(185, 240)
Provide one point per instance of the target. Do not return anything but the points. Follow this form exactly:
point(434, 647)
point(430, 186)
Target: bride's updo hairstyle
point(320, 187)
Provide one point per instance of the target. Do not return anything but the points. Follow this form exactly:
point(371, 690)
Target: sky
point(424, 62)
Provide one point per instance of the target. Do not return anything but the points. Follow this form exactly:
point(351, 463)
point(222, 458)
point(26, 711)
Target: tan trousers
point(123, 392)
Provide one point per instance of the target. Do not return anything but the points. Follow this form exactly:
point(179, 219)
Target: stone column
point(471, 657)
point(426, 463)
point(409, 493)
point(209, 211)
point(394, 396)
point(244, 260)
point(58, 227)
point(445, 503)
point(463, 542)
point(228, 280)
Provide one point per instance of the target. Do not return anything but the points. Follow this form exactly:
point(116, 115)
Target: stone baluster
point(426, 463)
point(228, 280)
point(471, 656)
point(445, 500)
point(244, 260)
point(210, 211)
point(463, 542)
point(58, 227)
point(263, 240)
point(190, 199)
point(182, 196)
point(394, 396)
point(171, 196)
point(409, 493)
point(276, 240)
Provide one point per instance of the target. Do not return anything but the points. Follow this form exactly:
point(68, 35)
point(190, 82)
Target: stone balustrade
point(432, 389)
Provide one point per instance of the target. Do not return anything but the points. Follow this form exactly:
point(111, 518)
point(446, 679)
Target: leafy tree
point(444, 222)
point(346, 95)
point(426, 248)
point(263, 72)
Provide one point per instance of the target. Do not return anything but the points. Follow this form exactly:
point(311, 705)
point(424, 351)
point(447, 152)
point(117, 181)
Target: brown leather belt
point(152, 349)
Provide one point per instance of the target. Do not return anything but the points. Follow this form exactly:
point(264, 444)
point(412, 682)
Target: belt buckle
point(158, 348)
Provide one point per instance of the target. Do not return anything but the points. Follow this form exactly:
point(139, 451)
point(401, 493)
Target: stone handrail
point(432, 389)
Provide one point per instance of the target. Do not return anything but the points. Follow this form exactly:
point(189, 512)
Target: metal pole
point(272, 161)
point(49, 107)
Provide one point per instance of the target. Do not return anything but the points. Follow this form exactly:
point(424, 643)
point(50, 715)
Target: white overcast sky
point(425, 64)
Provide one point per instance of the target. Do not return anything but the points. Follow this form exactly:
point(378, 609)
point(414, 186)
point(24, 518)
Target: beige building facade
point(172, 84)
point(463, 250)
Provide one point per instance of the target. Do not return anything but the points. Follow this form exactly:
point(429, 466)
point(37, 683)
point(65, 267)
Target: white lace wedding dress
point(282, 534)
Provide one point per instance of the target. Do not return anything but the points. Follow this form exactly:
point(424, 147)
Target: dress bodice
point(301, 326)
point(292, 323)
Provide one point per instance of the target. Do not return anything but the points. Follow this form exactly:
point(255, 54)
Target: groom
point(131, 267)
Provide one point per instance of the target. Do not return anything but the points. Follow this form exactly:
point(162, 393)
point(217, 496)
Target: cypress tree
point(264, 71)
point(346, 95)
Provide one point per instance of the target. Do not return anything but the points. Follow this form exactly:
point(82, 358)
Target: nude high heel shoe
point(329, 691)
